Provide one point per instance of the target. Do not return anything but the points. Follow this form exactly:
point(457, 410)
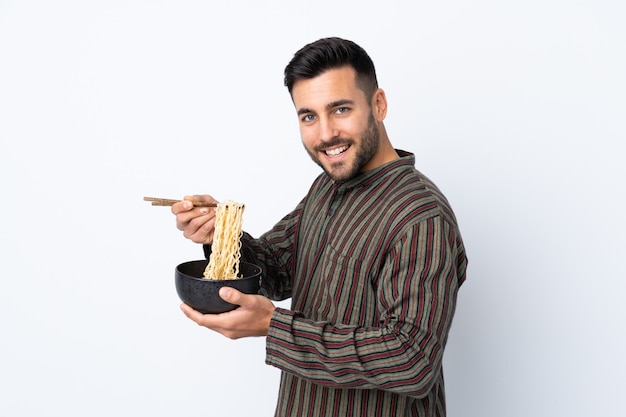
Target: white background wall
point(515, 108)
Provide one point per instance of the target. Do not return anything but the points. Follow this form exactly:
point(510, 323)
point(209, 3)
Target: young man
point(372, 258)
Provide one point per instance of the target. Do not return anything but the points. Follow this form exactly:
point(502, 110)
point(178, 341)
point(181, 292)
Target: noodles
point(226, 247)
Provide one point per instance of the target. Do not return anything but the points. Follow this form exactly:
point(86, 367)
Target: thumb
point(231, 295)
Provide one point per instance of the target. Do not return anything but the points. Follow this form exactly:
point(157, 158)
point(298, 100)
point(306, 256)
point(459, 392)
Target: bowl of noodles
point(202, 293)
point(198, 282)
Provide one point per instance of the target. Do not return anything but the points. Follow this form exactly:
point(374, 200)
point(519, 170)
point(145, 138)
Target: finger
point(185, 213)
point(210, 321)
point(193, 219)
point(201, 228)
point(236, 297)
point(190, 312)
point(181, 207)
point(201, 199)
point(184, 216)
point(231, 295)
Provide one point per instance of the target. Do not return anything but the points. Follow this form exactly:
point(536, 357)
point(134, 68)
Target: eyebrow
point(329, 106)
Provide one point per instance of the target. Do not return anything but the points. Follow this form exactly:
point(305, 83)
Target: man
point(372, 258)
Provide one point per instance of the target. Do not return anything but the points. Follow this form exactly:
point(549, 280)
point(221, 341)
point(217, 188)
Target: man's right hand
point(196, 223)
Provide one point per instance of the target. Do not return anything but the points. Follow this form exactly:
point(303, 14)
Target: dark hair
point(331, 53)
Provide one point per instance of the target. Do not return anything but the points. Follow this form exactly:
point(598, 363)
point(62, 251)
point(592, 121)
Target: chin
point(340, 173)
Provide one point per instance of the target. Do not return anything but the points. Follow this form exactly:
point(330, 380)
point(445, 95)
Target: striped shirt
point(372, 266)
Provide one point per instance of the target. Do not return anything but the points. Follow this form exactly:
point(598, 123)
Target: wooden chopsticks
point(169, 202)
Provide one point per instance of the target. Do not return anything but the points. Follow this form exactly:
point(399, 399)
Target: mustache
point(334, 142)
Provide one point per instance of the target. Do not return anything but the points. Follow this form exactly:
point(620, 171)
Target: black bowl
point(203, 294)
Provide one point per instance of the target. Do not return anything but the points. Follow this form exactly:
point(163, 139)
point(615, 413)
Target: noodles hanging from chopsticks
point(226, 247)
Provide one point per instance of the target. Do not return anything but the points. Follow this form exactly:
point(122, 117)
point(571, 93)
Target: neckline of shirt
point(406, 159)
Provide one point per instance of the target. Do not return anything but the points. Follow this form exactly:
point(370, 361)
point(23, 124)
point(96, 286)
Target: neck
point(386, 152)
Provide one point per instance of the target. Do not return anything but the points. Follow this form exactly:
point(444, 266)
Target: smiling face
point(340, 128)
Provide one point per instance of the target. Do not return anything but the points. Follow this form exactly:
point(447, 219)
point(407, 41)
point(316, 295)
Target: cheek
point(308, 137)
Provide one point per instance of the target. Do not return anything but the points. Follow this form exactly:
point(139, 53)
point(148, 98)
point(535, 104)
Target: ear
point(379, 105)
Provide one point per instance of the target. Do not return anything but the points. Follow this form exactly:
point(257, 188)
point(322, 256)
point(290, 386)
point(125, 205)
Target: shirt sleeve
point(416, 289)
point(274, 253)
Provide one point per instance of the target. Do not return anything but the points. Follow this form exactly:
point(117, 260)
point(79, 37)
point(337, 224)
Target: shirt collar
point(406, 160)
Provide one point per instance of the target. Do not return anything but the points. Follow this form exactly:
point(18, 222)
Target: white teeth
point(336, 151)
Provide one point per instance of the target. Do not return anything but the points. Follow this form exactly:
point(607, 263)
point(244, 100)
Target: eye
point(308, 118)
point(342, 110)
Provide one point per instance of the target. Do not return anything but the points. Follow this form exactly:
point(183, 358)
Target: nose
point(327, 130)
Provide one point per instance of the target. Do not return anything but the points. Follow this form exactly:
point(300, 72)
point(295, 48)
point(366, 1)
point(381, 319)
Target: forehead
point(330, 86)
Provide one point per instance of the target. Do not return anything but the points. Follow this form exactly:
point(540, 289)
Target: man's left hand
point(251, 318)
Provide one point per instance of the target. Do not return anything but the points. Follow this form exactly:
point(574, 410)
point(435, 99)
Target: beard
point(365, 149)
